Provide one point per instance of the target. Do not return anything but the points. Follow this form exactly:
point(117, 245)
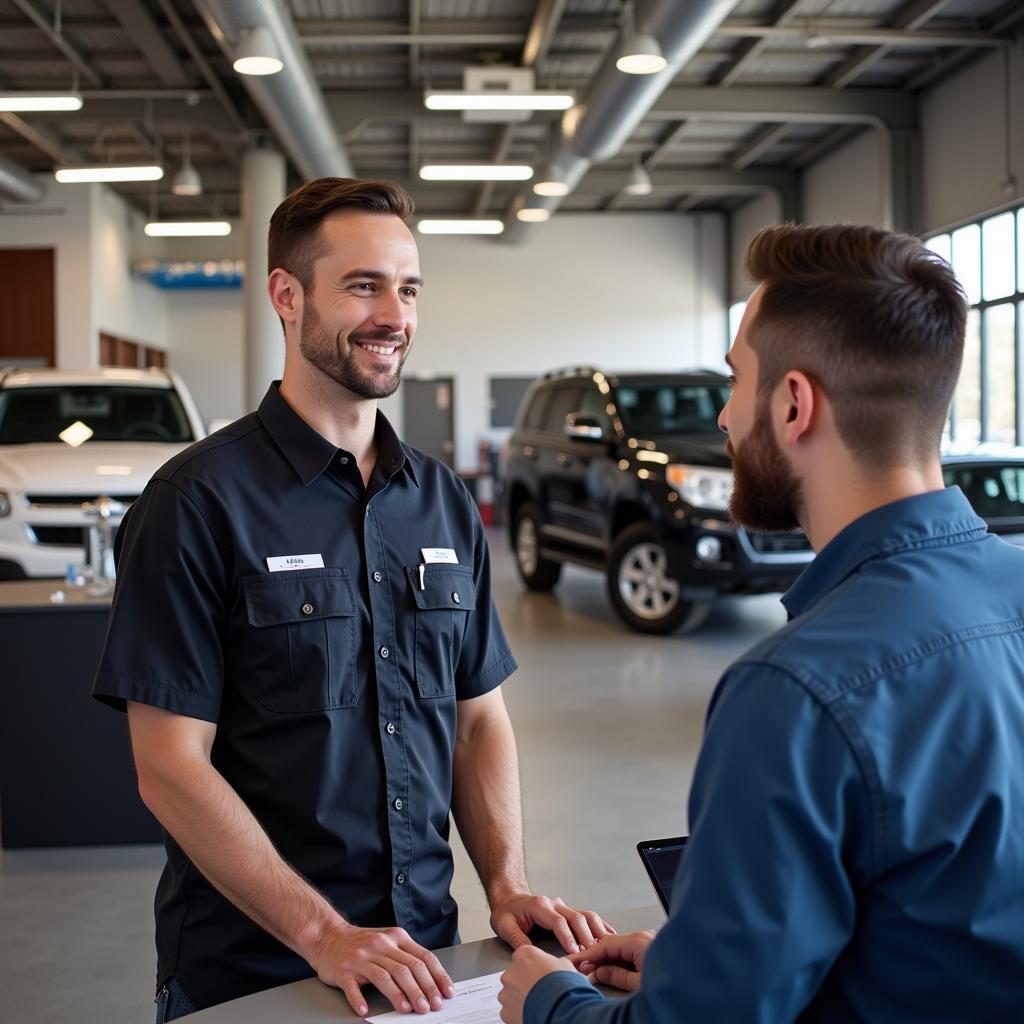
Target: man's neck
point(834, 500)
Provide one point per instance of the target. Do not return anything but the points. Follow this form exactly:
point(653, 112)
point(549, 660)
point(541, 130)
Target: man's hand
point(410, 976)
point(529, 965)
point(617, 960)
point(514, 916)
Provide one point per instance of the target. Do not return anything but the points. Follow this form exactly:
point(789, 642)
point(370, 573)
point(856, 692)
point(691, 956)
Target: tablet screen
point(661, 859)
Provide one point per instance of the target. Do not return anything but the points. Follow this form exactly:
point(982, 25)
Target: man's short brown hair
point(293, 243)
point(875, 319)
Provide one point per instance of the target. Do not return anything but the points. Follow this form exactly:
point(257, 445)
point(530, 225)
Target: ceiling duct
point(16, 183)
point(291, 101)
point(615, 103)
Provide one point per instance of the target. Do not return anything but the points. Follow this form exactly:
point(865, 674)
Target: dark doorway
point(27, 315)
point(428, 410)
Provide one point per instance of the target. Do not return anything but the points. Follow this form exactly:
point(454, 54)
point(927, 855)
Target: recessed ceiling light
point(257, 53)
point(460, 227)
point(533, 214)
point(109, 172)
point(28, 101)
point(552, 189)
point(497, 100)
point(476, 172)
point(176, 228)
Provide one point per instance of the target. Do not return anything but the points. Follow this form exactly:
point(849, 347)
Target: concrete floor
point(608, 724)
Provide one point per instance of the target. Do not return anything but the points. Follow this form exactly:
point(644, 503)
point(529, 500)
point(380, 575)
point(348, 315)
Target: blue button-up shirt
point(857, 812)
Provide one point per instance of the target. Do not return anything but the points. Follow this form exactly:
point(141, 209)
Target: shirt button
point(343, 460)
point(384, 652)
point(456, 598)
point(307, 609)
point(400, 878)
point(390, 728)
point(398, 805)
point(377, 577)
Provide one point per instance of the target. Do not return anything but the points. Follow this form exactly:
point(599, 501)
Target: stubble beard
point(324, 351)
point(766, 493)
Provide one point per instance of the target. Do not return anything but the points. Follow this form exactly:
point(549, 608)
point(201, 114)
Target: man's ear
point(286, 295)
point(797, 405)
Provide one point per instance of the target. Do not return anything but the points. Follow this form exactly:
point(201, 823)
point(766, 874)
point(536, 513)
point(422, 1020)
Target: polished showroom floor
point(608, 723)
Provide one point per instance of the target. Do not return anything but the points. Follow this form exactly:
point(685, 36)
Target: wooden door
point(27, 313)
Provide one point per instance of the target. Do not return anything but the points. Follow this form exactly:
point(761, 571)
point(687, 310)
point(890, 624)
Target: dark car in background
point(992, 480)
point(628, 474)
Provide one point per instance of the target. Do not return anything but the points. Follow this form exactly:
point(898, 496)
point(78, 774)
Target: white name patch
point(433, 556)
point(288, 563)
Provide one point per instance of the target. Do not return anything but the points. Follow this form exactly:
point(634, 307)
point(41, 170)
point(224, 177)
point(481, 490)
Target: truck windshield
point(652, 409)
point(78, 414)
point(995, 492)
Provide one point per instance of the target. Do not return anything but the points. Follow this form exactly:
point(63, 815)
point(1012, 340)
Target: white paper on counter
point(475, 1002)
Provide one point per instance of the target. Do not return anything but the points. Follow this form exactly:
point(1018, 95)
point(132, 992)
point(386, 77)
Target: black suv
point(628, 474)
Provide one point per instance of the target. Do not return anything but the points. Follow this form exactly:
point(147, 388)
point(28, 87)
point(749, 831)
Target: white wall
point(630, 291)
point(963, 140)
point(845, 187)
point(61, 221)
point(746, 222)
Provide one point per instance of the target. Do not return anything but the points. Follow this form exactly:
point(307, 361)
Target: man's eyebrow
point(377, 275)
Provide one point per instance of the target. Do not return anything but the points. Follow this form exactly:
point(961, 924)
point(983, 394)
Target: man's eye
point(363, 284)
point(731, 381)
point(410, 292)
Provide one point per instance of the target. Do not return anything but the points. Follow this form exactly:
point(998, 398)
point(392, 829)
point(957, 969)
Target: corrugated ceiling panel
point(463, 9)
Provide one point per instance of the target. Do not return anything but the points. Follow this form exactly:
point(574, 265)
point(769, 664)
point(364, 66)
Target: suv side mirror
point(583, 428)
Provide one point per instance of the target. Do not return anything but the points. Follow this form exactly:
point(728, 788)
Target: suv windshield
point(77, 414)
point(651, 409)
point(995, 492)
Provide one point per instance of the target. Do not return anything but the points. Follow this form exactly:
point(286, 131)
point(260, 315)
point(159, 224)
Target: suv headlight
point(700, 487)
point(5, 504)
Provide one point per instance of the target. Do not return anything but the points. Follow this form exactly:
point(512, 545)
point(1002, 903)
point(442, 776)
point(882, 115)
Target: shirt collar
point(919, 521)
point(310, 453)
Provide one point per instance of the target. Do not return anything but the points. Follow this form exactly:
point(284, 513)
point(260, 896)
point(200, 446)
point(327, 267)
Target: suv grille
point(778, 543)
point(72, 500)
point(60, 536)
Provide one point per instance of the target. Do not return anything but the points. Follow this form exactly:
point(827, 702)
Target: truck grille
point(72, 500)
point(778, 543)
point(60, 536)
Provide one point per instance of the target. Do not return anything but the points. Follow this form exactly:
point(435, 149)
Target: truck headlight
point(701, 487)
point(5, 504)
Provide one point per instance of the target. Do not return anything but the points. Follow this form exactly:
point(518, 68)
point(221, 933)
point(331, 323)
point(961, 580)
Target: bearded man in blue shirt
point(857, 811)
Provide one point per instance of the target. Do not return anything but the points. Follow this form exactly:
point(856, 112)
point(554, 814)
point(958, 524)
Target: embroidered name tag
point(286, 563)
point(432, 556)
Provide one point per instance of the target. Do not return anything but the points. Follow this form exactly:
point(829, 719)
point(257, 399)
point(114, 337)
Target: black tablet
point(661, 859)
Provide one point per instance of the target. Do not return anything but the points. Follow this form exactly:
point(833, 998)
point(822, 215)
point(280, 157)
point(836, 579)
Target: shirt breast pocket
point(443, 606)
point(301, 649)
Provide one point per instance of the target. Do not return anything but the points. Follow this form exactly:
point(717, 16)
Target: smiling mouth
point(377, 348)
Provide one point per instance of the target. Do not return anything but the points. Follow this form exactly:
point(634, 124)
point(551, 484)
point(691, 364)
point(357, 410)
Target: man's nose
point(389, 313)
point(723, 418)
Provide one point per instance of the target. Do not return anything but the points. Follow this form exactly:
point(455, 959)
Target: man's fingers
point(560, 926)
point(512, 933)
point(580, 926)
point(354, 995)
point(440, 977)
point(617, 977)
point(380, 977)
point(425, 981)
point(598, 926)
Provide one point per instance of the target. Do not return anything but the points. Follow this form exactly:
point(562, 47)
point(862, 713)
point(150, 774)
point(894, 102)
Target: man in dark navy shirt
point(857, 811)
point(304, 639)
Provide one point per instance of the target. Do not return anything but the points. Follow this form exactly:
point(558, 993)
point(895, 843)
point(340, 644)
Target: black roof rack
point(571, 371)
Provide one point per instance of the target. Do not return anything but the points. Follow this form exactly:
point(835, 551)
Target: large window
point(988, 257)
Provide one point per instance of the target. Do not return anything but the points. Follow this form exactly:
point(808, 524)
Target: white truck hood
point(91, 469)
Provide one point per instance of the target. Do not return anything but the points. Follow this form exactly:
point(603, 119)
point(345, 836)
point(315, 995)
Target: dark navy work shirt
point(857, 811)
point(333, 688)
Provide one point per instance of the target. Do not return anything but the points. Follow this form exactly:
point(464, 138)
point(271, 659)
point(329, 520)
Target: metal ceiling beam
point(759, 144)
point(711, 180)
point(750, 50)
point(670, 141)
point(41, 20)
point(812, 29)
point(151, 41)
point(421, 38)
point(205, 111)
point(910, 17)
point(830, 141)
point(17, 183)
point(42, 138)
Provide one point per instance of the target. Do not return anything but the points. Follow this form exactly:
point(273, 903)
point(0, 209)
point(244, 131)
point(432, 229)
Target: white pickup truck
point(68, 437)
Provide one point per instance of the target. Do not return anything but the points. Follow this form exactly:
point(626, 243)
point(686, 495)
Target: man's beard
point(766, 494)
point(323, 351)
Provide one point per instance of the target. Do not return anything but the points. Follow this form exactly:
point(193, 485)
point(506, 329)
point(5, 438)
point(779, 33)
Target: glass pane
point(967, 260)
point(968, 389)
point(997, 238)
point(940, 245)
point(1020, 249)
point(735, 316)
point(999, 324)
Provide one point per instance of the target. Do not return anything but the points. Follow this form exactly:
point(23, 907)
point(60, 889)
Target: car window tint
point(672, 408)
point(592, 403)
point(536, 415)
point(995, 492)
point(567, 400)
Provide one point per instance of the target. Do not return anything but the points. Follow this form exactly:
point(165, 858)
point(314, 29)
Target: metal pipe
point(16, 183)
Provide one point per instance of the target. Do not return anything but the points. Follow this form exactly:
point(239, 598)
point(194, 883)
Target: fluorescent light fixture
point(533, 214)
point(108, 172)
point(460, 227)
point(28, 101)
point(77, 434)
point(180, 228)
point(187, 182)
point(639, 183)
point(641, 55)
point(463, 100)
point(552, 189)
point(257, 53)
point(113, 470)
point(476, 172)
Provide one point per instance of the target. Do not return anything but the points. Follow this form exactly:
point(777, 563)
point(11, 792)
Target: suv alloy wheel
point(642, 592)
point(537, 572)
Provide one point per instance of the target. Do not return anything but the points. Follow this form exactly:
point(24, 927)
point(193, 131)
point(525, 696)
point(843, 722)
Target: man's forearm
point(226, 843)
point(488, 806)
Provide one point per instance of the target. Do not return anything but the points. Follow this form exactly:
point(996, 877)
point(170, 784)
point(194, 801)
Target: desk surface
point(310, 1002)
point(17, 595)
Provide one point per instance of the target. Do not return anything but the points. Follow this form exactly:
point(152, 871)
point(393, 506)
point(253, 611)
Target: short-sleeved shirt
point(857, 812)
point(333, 686)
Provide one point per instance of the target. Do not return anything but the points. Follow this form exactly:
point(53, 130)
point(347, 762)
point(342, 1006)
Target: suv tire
point(536, 572)
point(642, 593)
